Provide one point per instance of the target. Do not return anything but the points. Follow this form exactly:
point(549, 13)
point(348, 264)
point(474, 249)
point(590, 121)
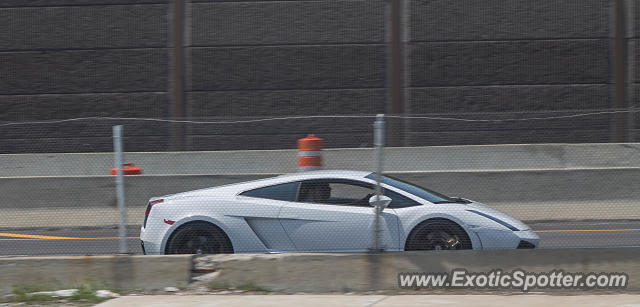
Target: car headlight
point(497, 220)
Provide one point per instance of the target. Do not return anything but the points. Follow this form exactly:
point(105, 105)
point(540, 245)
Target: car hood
point(497, 214)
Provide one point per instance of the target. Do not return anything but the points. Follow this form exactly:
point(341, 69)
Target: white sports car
point(324, 211)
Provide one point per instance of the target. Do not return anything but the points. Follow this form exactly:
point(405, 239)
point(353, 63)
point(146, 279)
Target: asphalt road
point(104, 240)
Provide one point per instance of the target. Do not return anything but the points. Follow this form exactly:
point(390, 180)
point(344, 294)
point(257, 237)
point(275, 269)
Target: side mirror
point(381, 203)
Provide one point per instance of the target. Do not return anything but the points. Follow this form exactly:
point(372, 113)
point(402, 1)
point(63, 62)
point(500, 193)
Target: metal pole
point(620, 121)
point(177, 74)
point(395, 76)
point(117, 147)
point(630, 22)
point(378, 128)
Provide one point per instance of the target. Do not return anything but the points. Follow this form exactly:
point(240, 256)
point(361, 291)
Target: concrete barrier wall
point(111, 272)
point(99, 191)
point(489, 187)
point(527, 195)
point(299, 272)
point(531, 182)
point(349, 272)
point(356, 272)
point(397, 159)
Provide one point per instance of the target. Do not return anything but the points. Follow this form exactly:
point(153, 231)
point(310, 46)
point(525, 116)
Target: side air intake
point(525, 245)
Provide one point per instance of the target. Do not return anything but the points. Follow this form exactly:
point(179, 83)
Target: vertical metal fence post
point(374, 259)
point(177, 74)
point(378, 130)
point(117, 147)
point(620, 122)
point(395, 67)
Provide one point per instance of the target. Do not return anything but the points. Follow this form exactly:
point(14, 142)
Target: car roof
point(307, 175)
point(233, 188)
point(326, 174)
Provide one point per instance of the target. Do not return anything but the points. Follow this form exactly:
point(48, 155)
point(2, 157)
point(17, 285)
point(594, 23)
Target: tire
point(199, 238)
point(437, 234)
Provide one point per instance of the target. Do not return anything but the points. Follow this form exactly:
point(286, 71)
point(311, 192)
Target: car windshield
point(431, 196)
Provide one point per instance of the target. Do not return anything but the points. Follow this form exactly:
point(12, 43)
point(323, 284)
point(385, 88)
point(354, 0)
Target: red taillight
point(151, 204)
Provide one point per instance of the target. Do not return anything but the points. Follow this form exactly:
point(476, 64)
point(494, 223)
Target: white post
point(378, 142)
point(117, 147)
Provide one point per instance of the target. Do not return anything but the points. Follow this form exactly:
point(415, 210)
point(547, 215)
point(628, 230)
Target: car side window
point(341, 192)
point(285, 191)
point(400, 201)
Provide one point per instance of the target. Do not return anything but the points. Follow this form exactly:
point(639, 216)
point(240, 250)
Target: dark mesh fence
point(233, 60)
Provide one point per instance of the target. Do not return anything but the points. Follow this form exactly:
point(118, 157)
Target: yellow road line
point(19, 240)
point(586, 230)
point(27, 237)
point(105, 238)
point(16, 236)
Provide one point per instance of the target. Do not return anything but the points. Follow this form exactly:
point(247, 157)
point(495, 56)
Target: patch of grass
point(216, 285)
point(245, 286)
point(251, 287)
point(85, 294)
point(21, 294)
point(24, 298)
point(346, 289)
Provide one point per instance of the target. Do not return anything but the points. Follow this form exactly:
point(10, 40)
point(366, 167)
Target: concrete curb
point(110, 272)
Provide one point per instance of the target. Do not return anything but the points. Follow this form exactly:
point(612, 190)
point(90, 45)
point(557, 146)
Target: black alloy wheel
point(199, 238)
point(437, 234)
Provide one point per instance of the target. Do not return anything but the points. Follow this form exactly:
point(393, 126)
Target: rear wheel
point(199, 238)
point(438, 234)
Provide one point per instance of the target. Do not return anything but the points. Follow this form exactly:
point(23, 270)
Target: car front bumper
point(507, 239)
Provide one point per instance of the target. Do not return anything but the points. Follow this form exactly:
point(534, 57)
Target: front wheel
point(199, 238)
point(437, 235)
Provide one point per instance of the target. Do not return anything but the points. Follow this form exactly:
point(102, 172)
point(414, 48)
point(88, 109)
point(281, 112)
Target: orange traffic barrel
point(128, 169)
point(309, 153)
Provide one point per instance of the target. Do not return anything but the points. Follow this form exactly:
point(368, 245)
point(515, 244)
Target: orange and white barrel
point(309, 153)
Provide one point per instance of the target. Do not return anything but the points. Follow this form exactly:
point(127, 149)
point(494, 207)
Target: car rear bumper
point(149, 248)
point(150, 241)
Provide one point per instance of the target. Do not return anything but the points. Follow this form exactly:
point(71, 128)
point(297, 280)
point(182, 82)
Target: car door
point(261, 211)
point(340, 219)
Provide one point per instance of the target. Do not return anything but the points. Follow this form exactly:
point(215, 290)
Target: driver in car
point(318, 193)
point(321, 193)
